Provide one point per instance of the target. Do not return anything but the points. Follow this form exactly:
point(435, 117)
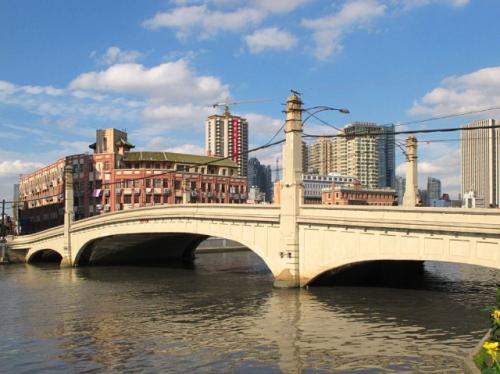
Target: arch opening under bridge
point(45, 256)
point(385, 273)
point(175, 248)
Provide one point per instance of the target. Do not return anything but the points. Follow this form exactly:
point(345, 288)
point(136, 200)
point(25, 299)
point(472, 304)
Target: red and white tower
point(227, 136)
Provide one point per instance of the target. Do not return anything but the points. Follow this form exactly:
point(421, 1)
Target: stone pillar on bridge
point(410, 198)
point(69, 215)
point(291, 195)
point(186, 192)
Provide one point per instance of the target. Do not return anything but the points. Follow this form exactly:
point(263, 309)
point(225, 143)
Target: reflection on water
point(225, 316)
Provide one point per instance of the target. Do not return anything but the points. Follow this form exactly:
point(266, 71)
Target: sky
point(156, 67)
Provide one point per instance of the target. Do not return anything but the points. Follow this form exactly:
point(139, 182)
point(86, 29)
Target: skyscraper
point(320, 156)
point(363, 152)
point(481, 161)
point(400, 186)
point(227, 136)
point(387, 157)
point(363, 149)
point(260, 176)
point(433, 190)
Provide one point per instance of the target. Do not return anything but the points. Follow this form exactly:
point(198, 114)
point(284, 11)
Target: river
point(224, 316)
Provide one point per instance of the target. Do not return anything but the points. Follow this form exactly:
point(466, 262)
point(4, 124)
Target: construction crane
point(227, 102)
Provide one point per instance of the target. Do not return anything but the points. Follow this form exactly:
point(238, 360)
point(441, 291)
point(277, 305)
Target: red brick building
point(116, 178)
point(355, 195)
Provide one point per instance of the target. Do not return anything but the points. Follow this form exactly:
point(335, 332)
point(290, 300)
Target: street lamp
point(322, 108)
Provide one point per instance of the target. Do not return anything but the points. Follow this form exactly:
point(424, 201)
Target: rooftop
point(178, 157)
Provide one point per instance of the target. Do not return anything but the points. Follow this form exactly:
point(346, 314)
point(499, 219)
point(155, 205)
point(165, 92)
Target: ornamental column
point(291, 195)
point(410, 198)
point(68, 215)
point(186, 191)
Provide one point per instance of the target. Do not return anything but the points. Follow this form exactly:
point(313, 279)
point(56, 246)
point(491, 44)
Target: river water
point(224, 316)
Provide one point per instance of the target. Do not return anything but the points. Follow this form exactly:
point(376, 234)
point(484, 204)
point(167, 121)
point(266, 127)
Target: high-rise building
point(227, 136)
point(433, 190)
point(481, 162)
point(305, 157)
point(387, 157)
point(363, 149)
point(320, 156)
point(260, 176)
point(363, 152)
point(400, 186)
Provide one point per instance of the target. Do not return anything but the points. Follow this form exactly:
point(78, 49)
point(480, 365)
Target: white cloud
point(208, 22)
point(170, 81)
point(188, 148)
point(55, 102)
point(279, 6)
point(204, 21)
point(439, 161)
point(171, 116)
point(262, 128)
point(270, 38)
point(328, 31)
point(474, 91)
point(114, 55)
point(410, 4)
point(16, 167)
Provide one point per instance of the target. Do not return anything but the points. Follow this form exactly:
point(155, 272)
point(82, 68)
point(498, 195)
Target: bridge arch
point(44, 255)
point(126, 245)
point(139, 248)
point(386, 266)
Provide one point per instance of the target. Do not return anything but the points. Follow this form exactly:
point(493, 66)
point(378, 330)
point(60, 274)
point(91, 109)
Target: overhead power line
point(267, 145)
point(437, 118)
point(405, 132)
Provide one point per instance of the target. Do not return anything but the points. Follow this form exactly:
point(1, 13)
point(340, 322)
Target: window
point(157, 183)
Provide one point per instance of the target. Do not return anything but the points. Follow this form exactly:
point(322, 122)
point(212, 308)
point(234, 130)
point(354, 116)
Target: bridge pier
point(67, 260)
point(291, 195)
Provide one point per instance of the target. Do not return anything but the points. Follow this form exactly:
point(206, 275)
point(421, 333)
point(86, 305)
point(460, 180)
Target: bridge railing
point(485, 221)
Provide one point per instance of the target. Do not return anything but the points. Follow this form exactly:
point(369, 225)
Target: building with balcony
point(116, 178)
point(354, 194)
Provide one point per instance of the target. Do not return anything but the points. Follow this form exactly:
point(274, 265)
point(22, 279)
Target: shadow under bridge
point(140, 249)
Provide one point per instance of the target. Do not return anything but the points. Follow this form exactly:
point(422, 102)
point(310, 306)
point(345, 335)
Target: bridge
point(297, 242)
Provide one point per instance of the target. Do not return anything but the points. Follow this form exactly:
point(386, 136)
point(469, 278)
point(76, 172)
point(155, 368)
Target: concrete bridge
point(297, 242)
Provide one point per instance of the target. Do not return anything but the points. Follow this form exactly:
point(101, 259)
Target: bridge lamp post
point(321, 108)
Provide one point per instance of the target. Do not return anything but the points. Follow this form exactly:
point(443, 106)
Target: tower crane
point(227, 102)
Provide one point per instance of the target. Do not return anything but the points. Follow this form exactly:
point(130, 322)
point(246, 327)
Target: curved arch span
point(139, 249)
point(383, 273)
point(377, 272)
point(45, 256)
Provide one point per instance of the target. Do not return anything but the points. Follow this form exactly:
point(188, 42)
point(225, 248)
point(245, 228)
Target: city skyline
point(157, 69)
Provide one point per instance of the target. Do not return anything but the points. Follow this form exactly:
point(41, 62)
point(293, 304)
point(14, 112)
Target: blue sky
point(155, 67)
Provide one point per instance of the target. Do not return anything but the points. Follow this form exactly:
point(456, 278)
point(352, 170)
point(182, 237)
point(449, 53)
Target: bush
point(487, 359)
